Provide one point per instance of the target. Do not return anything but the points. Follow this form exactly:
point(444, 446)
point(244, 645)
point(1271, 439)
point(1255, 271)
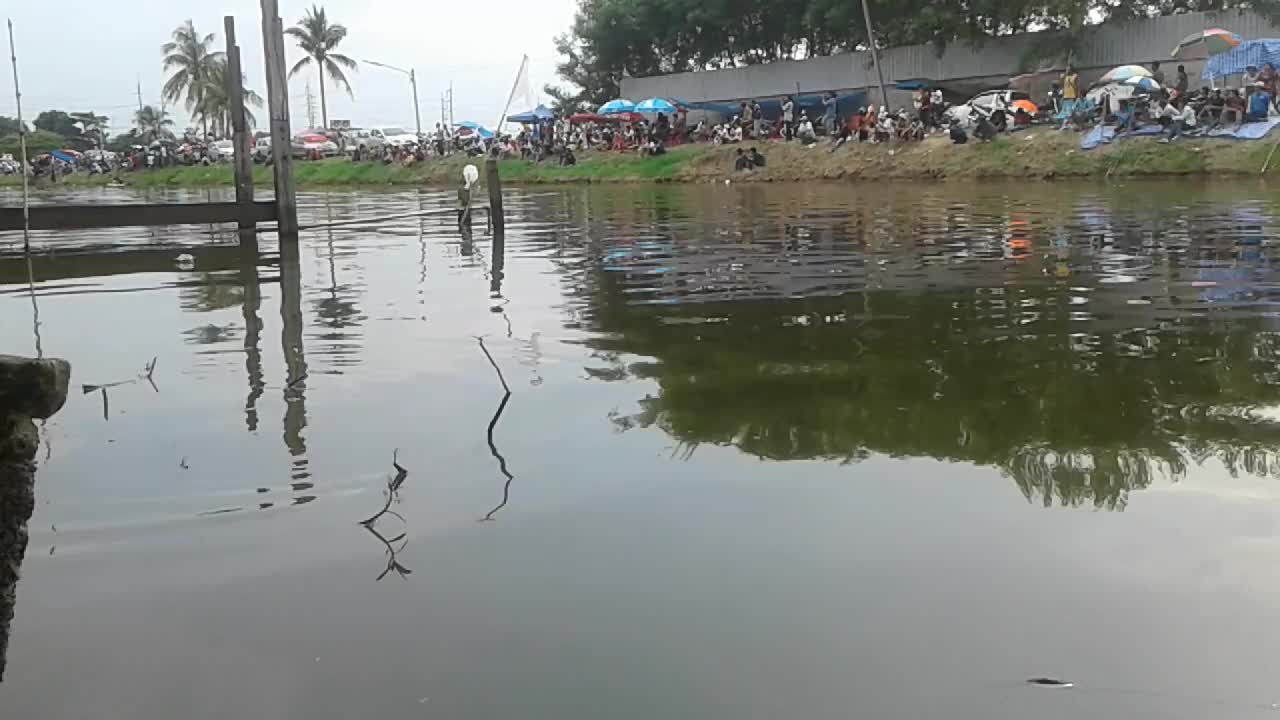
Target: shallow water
point(773, 451)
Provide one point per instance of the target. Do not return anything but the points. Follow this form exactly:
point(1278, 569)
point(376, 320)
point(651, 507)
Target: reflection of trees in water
point(1073, 418)
point(215, 291)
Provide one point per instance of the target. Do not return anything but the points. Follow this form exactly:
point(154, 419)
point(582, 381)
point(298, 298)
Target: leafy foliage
point(215, 103)
point(191, 58)
point(152, 122)
point(610, 38)
point(59, 123)
point(318, 38)
point(40, 141)
point(9, 126)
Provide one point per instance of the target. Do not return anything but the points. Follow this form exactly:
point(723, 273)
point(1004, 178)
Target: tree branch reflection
point(493, 424)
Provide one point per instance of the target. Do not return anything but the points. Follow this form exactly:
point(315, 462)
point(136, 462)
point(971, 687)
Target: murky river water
point(768, 452)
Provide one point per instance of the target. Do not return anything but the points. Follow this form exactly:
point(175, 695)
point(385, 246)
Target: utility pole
point(311, 107)
point(875, 55)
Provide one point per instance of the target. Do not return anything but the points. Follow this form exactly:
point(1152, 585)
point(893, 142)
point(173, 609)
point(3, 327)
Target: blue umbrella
point(617, 107)
point(655, 105)
point(477, 127)
point(1142, 84)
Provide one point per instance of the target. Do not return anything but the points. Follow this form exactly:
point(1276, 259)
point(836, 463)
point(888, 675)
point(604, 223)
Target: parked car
point(362, 140)
point(262, 149)
point(394, 136)
point(313, 146)
point(985, 102)
point(222, 151)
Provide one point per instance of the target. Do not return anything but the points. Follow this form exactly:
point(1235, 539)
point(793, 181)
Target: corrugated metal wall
point(1110, 44)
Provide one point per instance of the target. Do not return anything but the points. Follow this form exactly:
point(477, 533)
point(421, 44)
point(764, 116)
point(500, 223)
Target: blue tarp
point(1249, 131)
point(537, 114)
point(1233, 62)
point(63, 156)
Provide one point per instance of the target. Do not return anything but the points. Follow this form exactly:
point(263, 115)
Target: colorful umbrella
point(1124, 72)
point(655, 105)
point(1027, 105)
point(613, 107)
point(1215, 41)
point(1142, 84)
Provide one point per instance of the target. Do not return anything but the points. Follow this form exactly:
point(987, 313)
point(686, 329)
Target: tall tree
point(152, 122)
point(190, 57)
point(92, 126)
point(318, 38)
point(9, 126)
point(58, 122)
point(215, 102)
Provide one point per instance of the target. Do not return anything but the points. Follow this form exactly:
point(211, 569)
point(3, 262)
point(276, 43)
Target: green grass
point(1042, 156)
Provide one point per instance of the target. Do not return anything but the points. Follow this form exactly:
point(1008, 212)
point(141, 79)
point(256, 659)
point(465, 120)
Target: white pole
point(511, 96)
point(22, 143)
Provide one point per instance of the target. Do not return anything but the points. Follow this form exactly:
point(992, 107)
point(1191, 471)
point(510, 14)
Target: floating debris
point(1050, 682)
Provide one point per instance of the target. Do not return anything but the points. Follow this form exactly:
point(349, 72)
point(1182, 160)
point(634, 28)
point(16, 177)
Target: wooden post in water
point(278, 104)
point(494, 183)
point(239, 130)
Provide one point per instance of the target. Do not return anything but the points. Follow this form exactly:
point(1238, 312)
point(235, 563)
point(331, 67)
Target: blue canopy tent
point(536, 115)
point(1234, 62)
point(62, 156)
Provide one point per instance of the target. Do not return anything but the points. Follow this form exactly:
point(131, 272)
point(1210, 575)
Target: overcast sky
point(78, 55)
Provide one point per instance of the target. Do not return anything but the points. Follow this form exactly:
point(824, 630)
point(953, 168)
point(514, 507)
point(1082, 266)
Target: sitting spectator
point(1126, 119)
point(756, 158)
point(742, 163)
point(652, 148)
point(1211, 114)
point(1021, 118)
point(805, 132)
point(1233, 109)
point(567, 157)
point(884, 126)
point(1182, 117)
point(957, 133)
point(983, 128)
point(1259, 103)
point(999, 119)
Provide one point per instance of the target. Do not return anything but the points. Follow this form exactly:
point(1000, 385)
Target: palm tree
point(190, 56)
point(215, 103)
point(152, 122)
point(318, 38)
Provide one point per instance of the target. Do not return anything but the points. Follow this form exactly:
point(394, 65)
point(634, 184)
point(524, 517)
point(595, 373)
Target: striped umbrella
point(1215, 41)
point(1124, 72)
point(1142, 84)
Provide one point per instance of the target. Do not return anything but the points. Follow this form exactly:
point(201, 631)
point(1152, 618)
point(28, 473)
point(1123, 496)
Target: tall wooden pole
point(494, 183)
point(278, 104)
point(239, 129)
point(875, 54)
point(22, 143)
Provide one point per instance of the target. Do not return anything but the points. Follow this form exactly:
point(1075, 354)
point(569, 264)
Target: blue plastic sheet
point(1233, 62)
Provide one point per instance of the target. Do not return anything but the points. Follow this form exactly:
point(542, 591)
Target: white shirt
point(1187, 116)
point(936, 97)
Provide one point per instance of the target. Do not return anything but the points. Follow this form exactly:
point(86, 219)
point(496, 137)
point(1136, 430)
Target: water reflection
point(295, 389)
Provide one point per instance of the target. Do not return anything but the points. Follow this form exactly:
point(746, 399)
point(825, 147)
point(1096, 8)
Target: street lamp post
point(413, 82)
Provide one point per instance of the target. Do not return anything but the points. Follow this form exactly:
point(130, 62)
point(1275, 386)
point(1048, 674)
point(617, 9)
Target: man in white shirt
point(1182, 117)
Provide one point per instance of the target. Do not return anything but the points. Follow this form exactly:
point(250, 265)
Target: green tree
point(59, 123)
point(9, 126)
point(318, 38)
point(215, 102)
point(93, 127)
point(40, 141)
point(190, 58)
point(152, 122)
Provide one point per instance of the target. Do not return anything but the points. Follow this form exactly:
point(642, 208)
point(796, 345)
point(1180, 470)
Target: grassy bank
point(1037, 154)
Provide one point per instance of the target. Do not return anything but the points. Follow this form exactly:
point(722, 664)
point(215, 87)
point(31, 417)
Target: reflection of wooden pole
point(239, 129)
point(494, 183)
point(278, 104)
